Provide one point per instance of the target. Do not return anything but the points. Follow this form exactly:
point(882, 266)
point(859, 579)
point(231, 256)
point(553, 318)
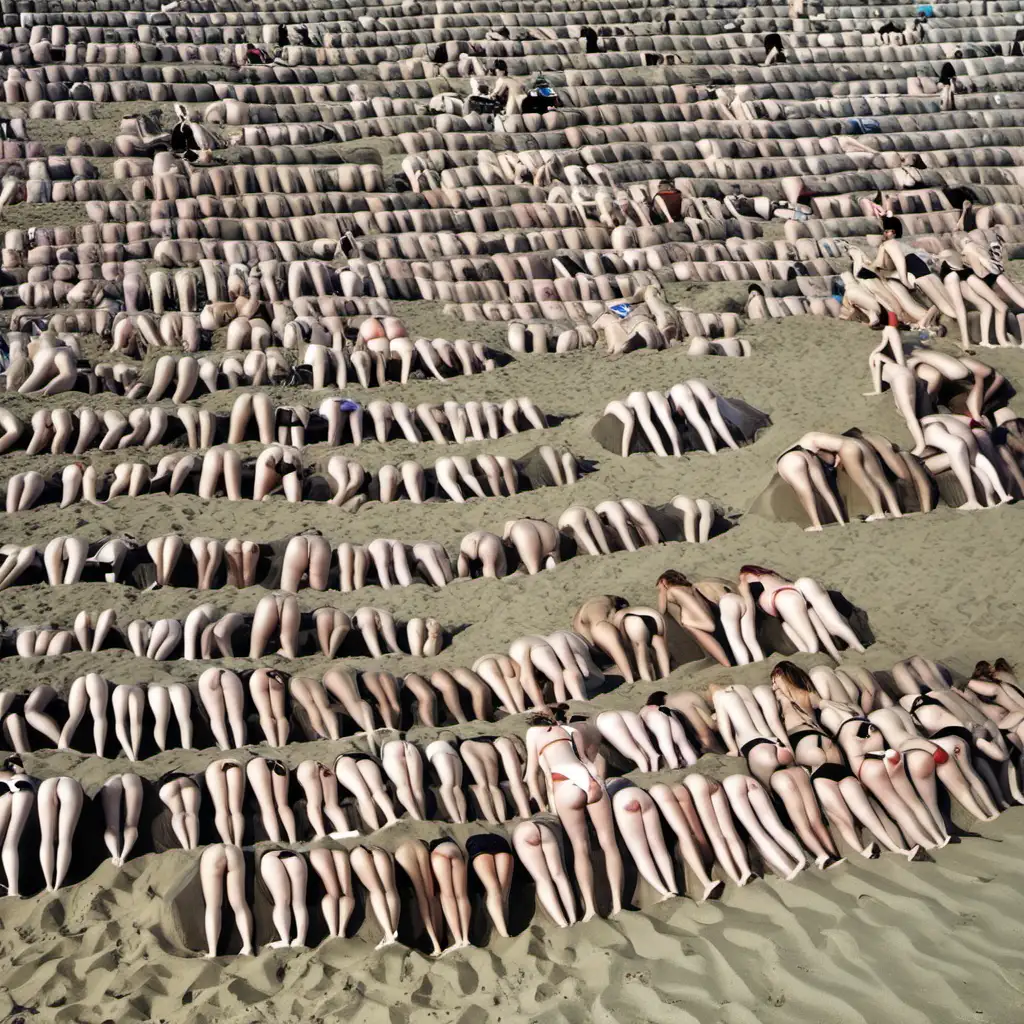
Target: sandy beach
point(935, 941)
point(939, 940)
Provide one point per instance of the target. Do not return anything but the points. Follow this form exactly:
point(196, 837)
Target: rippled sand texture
point(933, 942)
point(869, 941)
point(928, 942)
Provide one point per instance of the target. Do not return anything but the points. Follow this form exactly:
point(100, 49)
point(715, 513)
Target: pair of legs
point(810, 619)
point(539, 851)
point(270, 783)
point(16, 806)
point(740, 626)
point(752, 805)
point(88, 693)
point(678, 806)
point(334, 869)
point(626, 732)
point(221, 867)
point(285, 874)
point(806, 475)
point(275, 615)
point(573, 811)
point(483, 761)
point(376, 871)
point(225, 782)
point(320, 787)
point(403, 764)
point(448, 767)
point(361, 776)
point(120, 834)
point(307, 556)
point(639, 824)
point(268, 689)
point(181, 796)
point(794, 789)
point(176, 697)
point(59, 804)
point(223, 698)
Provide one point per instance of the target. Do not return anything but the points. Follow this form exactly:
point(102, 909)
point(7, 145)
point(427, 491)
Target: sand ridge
point(935, 941)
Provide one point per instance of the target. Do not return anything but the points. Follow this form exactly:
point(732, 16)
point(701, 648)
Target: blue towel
point(925, 10)
point(621, 309)
point(865, 125)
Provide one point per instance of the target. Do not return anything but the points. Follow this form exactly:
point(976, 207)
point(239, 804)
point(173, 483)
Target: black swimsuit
point(954, 730)
point(863, 730)
point(833, 772)
point(801, 734)
point(487, 842)
point(917, 266)
point(756, 741)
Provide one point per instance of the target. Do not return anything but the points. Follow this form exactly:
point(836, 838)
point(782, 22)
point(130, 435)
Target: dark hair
point(579, 717)
point(539, 718)
point(893, 224)
point(500, 65)
point(760, 570)
point(673, 578)
point(656, 699)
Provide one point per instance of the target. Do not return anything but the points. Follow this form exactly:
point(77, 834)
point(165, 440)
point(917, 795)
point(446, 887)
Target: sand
point(931, 941)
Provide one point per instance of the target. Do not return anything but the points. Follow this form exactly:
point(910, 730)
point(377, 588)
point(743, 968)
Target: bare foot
point(588, 914)
point(871, 851)
point(970, 506)
point(813, 529)
point(280, 944)
point(912, 853)
point(748, 878)
point(388, 940)
point(874, 517)
point(711, 889)
point(296, 944)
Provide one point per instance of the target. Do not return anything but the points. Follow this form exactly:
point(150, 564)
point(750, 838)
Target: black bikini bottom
point(487, 842)
point(833, 772)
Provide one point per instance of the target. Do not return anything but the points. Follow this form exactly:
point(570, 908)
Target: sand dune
point(936, 941)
